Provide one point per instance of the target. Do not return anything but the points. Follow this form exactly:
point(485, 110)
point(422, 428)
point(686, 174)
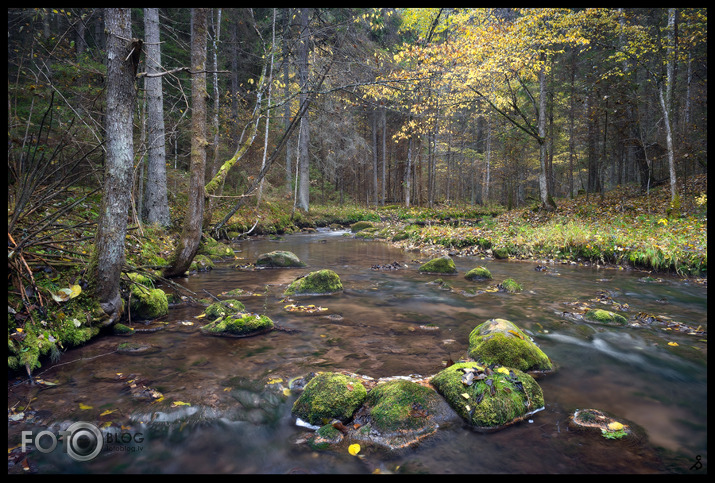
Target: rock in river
point(279, 258)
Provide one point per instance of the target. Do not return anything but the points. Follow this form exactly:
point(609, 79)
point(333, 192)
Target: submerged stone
point(493, 398)
point(329, 396)
point(223, 308)
point(320, 282)
point(499, 341)
point(279, 258)
point(439, 265)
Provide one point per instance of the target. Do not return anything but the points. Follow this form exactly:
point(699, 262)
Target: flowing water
point(387, 323)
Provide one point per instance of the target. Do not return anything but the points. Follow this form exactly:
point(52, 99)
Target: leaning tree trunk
point(191, 235)
point(108, 256)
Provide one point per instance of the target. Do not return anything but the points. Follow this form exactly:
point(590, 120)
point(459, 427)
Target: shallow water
point(384, 325)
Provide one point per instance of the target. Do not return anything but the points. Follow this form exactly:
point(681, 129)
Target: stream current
point(222, 419)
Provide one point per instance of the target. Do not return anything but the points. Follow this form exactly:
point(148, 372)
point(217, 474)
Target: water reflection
point(389, 323)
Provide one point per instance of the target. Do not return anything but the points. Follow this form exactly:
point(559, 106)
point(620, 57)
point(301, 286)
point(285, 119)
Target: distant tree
point(156, 205)
point(190, 238)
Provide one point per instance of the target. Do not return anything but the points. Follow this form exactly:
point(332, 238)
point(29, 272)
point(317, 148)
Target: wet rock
point(201, 263)
point(320, 282)
point(136, 348)
point(439, 265)
point(329, 396)
point(509, 285)
point(499, 341)
point(493, 398)
point(360, 225)
point(279, 258)
point(478, 274)
point(595, 420)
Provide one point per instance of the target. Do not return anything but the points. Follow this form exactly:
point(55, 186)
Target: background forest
point(293, 111)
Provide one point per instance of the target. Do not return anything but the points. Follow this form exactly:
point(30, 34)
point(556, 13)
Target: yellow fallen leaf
point(615, 426)
point(354, 449)
point(465, 395)
point(200, 316)
point(274, 380)
point(179, 403)
point(286, 391)
point(503, 370)
point(84, 407)
point(108, 411)
point(674, 344)
point(226, 389)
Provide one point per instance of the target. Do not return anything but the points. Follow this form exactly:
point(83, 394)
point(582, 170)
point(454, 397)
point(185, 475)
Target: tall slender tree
point(156, 204)
point(191, 235)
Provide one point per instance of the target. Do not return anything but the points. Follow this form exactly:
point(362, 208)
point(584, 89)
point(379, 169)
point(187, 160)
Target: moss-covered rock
point(279, 258)
point(329, 396)
point(320, 282)
point(499, 341)
point(201, 263)
point(223, 308)
point(510, 285)
point(605, 317)
point(214, 249)
point(239, 325)
point(121, 329)
point(360, 225)
point(493, 398)
point(400, 404)
point(439, 265)
point(500, 252)
point(478, 274)
point(147, 302)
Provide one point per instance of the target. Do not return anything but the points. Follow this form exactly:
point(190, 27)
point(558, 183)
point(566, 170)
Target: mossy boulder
point(279, 258)
point(439, 265)
point(223, 308)
point(360, 225)
point(320, 282)
point(605, 317)
point(492, 398)
point(239, 325)
point(499, 341)
point(510, 285)
point(478, 274)
point(328, 396)
point(500, 253)
point(214, 249)
point(201, 263)
point(147, 302)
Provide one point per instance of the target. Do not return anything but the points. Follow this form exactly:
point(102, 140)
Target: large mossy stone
point(279, 258)
point(147, 302)
point(239, 325)
point(316, 283)
point(478, 274)
point(328, 396)
point(499, 341)
point(493, 399)
point(439, 265)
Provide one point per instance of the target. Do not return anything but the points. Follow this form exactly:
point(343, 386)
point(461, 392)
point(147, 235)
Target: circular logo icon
point(84, 442)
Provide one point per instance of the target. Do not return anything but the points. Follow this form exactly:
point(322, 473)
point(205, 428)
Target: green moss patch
point(147, 302)
point(223, 308)
point(499, 341)
point(329, 396)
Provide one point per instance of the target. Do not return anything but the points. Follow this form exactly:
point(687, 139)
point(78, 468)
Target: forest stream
point(227, 403)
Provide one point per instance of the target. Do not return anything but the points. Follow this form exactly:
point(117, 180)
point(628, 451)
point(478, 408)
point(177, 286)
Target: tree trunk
point(191, 235)
point(665, 94)
point(304, 164)
point(156, 205)
point(547, 201)
point(108, 256)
